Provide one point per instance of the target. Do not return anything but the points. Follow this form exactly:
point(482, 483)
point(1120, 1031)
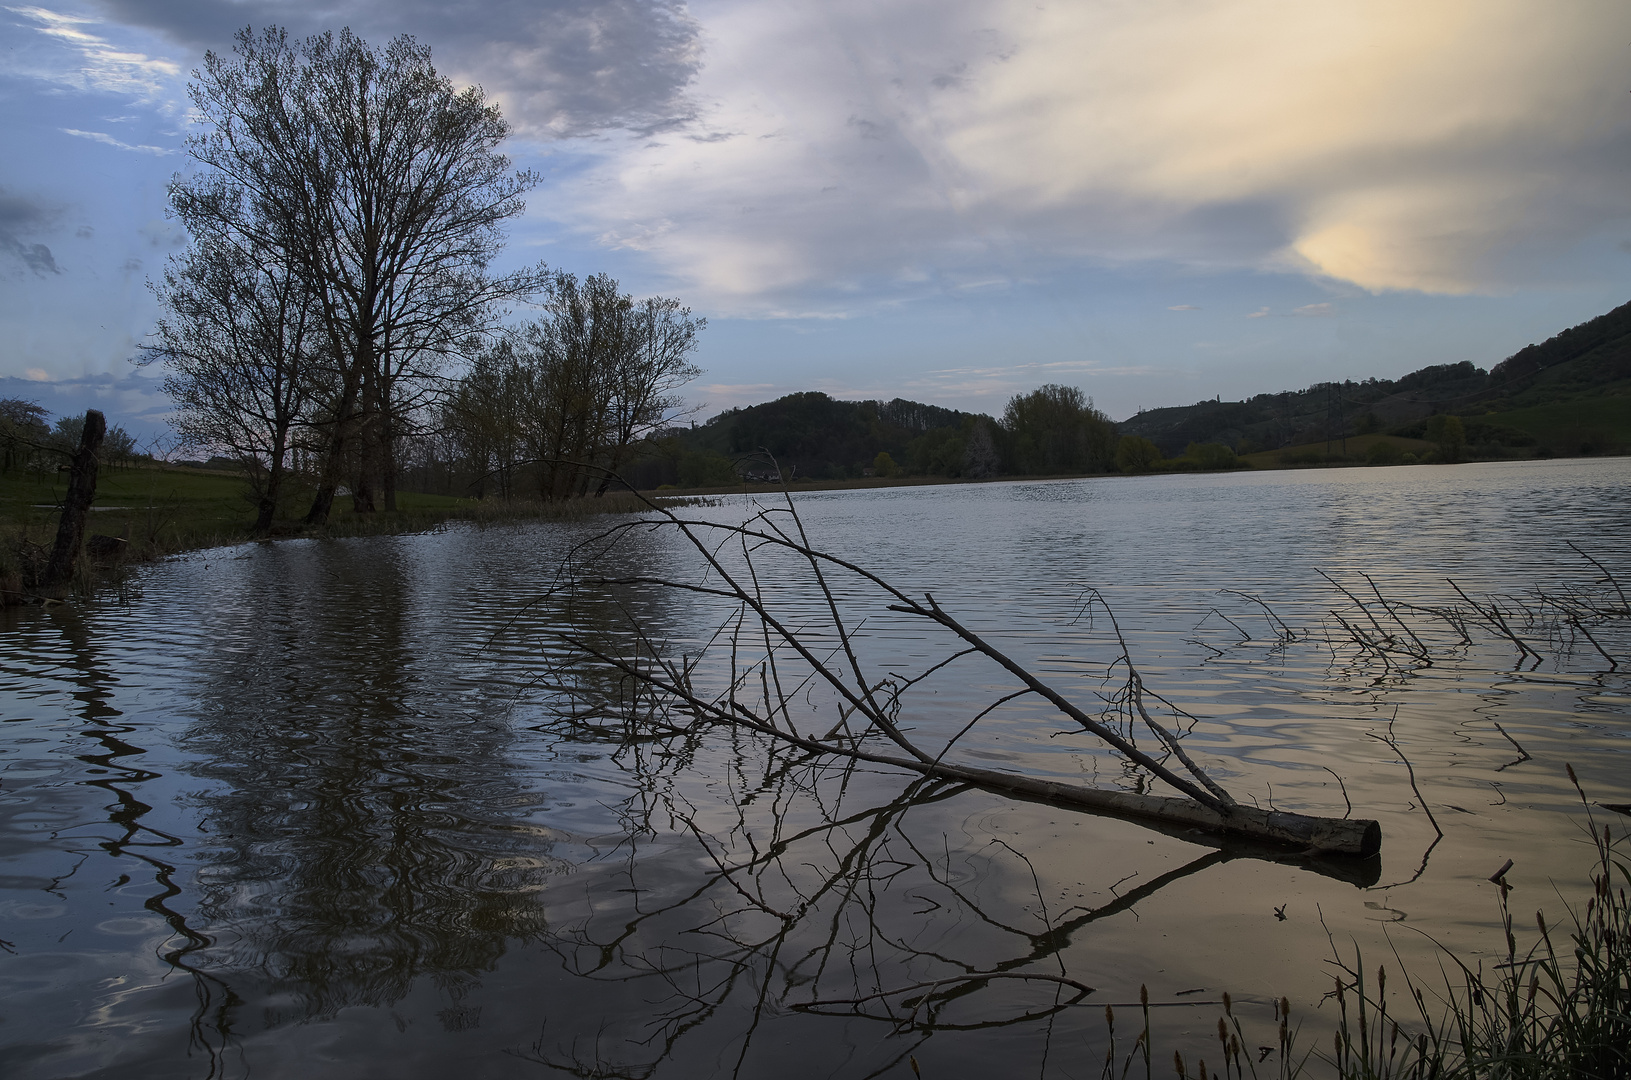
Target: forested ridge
point(1521, 403)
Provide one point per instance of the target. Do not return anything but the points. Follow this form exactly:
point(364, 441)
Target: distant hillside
point(1521, 405)
point(815, 436)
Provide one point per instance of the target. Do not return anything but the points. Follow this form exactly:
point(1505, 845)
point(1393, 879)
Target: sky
point(1157, 201)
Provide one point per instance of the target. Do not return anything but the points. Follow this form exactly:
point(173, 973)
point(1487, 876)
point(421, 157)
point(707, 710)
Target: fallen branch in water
point(772, 652)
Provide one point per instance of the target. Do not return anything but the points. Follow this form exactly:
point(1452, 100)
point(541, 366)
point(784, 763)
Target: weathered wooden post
point(77, 503)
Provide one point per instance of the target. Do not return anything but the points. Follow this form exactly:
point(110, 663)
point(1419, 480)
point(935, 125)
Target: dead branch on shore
point(788, 643)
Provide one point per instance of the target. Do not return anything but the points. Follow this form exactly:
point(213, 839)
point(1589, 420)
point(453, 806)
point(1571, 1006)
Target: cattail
point(1228, 1006)
point(1178, 1060)
point(1223, 1032)
point(1570, 770)
point(1110, 1019)
point(1144, 995)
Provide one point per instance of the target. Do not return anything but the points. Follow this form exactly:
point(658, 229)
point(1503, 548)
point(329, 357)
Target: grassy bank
point(146, 512)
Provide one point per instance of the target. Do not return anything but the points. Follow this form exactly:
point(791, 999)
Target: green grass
point(163, 509)
point(1315, 453)
point(1590, 425)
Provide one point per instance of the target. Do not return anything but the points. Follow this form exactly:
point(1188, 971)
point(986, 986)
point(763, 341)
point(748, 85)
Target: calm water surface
point(311, 809)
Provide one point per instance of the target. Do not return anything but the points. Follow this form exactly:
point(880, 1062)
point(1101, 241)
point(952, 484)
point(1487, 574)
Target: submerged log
point(1358, 837)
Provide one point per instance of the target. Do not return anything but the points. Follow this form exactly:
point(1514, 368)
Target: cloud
point(557, 67)
point(846, 154)
point(131, 399)
point(1260, 313)
point(97, 63)
point(1319, 311)
point(19, 216)
point(1183, 307)
point(37, 257)
point(108, 140)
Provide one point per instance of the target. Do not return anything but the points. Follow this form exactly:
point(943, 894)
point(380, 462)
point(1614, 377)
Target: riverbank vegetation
point(1557, 1007)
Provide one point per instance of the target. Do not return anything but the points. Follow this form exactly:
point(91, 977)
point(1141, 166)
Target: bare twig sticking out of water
point(1525, 754)
point(1380, 641)
point(1410, 770)
point(1344, 788)
point(1132, 694)
point(1281, 630)
point(1497, 621)
point(1244, 636)
point(1609, 579)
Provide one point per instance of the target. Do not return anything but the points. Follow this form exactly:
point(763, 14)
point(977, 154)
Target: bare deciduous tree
point(383, 188)
point(574, 391)
point(243, 348)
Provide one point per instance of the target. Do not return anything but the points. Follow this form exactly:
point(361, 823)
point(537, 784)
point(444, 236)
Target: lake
point(327, 808)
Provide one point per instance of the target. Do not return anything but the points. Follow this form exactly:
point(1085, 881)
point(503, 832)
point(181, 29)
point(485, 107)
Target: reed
point(1554, 1007)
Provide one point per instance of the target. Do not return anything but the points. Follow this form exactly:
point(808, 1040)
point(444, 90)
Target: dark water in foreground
point(306, 809)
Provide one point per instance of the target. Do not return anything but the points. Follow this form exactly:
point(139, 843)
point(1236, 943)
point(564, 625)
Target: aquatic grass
point(1541, 1013)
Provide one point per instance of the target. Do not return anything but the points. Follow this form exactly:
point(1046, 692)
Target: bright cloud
point(859, 151)
point(108, 140)
point(98, 64)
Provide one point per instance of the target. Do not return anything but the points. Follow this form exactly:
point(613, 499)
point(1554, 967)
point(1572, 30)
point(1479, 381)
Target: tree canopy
point(367, 177)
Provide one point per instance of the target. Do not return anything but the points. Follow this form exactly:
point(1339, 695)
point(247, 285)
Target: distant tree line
point(1051, 430)
point(29, 443)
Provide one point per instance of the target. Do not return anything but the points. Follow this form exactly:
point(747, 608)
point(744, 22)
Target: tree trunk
point(77, 503)
point(387, 460)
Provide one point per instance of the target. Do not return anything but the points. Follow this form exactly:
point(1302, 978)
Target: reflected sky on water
point(294, 807)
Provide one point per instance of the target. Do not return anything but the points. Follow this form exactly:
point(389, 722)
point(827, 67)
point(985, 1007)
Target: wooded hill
point(811, 435)
point(1568, 395)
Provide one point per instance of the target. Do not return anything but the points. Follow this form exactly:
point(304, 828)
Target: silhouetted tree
point(573, 392)
point(382, 188)
point(23, 434)
point(243, 343)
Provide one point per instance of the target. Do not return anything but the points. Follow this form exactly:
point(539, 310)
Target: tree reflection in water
point(367, 828)
point(809, 896)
